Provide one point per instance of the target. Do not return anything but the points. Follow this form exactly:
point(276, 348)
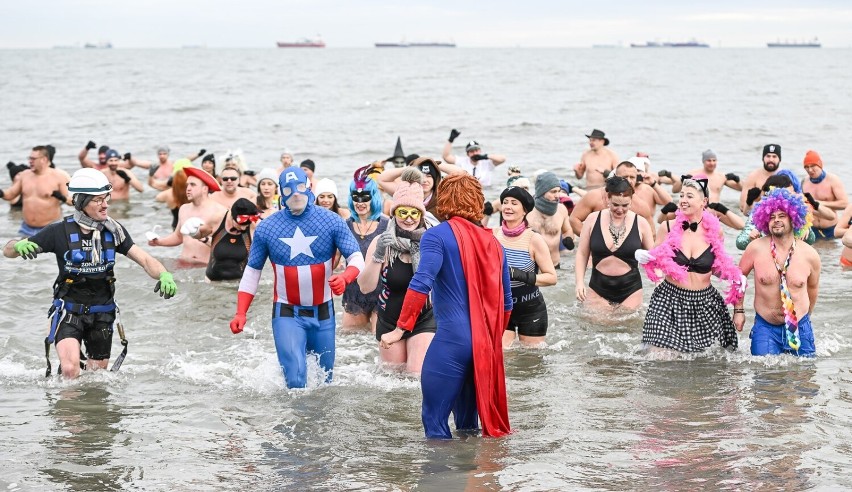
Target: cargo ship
point(303, 43)
point(795, 44)
point(415, 45)
point(685, 44)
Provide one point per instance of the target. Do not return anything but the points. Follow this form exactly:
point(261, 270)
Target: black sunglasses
point(229, 178)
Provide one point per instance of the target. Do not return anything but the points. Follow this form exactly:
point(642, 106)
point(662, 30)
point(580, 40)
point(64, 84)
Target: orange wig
point(461, 196)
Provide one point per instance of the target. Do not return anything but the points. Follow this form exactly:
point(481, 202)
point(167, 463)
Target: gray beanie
point(545, 182)
point(707, 154)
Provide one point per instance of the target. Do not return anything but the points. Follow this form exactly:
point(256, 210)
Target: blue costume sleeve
point(507, 287)
point(431, 259)
point(259, 250)
point(344, 240)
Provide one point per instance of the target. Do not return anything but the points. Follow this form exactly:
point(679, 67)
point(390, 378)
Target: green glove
point(166, 286)
point(27, 249)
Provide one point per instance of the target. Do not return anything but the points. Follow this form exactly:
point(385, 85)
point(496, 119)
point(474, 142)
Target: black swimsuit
point(615, 288)
point(228, 254)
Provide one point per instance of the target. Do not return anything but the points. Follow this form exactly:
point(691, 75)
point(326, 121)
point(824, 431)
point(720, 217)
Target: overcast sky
point(360, 23)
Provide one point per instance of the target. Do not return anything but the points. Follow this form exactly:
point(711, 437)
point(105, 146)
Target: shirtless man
point(782, 316)
point(475, 162)
point(822, 189)
point(83, 156)
point(43, 189)
point(549, 218)
point(120, 179)
point(597, 162)
point(715, 179)
point(200, 210)
point(230, 192)
point(159, 172)
point(595, 200)
point(754, 181)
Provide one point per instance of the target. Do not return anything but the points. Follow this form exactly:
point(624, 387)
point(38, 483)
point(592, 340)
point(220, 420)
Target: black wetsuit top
point(702, 264)
point(228, 254)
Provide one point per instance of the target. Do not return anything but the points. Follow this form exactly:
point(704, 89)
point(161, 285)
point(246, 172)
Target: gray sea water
point(197, 408)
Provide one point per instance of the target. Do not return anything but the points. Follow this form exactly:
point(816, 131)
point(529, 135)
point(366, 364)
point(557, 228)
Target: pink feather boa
point(723, 265)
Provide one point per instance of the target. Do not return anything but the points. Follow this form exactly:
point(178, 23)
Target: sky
point(360, 23)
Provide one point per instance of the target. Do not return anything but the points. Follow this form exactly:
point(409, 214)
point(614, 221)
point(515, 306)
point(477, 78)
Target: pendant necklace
point(616, 232)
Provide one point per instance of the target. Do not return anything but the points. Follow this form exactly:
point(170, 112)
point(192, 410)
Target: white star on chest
point(299, 244)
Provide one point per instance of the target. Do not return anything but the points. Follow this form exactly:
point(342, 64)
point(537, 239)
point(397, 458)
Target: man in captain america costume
point(300, 241)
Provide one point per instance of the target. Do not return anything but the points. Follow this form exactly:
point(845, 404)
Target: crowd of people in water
point(409, 251)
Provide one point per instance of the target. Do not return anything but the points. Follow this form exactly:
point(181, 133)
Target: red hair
point(461, 196)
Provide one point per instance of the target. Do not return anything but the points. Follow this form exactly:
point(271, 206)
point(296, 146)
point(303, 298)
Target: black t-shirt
point(53, 239)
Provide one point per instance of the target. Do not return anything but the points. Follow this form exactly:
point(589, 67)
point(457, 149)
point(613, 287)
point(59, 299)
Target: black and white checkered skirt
point(688, 320)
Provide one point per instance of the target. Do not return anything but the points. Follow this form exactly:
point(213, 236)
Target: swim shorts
point(769, 339)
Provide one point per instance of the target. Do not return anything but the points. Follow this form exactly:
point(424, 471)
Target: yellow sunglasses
point(403, 213)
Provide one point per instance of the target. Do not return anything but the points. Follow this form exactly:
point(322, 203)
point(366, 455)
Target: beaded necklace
point(791, 322)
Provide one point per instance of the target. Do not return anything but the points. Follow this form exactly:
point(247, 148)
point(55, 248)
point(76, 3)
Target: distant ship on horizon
point(686, 44)
point(100, 46)
point(303, 43)
point(795, 44)
point(404, 44)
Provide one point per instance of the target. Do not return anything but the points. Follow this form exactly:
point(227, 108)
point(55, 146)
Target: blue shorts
point(824, 233)
point(769, 339)
point(27, 230)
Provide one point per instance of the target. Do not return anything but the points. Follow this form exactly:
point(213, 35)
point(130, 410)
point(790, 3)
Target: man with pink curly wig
point(786, 273)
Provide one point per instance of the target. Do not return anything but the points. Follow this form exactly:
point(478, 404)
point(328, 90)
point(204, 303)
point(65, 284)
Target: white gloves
point(191, 226)
point(643, 256)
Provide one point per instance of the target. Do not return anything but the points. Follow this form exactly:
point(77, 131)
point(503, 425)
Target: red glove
point(238, 323)
point(339, 282)
point(411, 307)
point(243, 302)
point(506, 316)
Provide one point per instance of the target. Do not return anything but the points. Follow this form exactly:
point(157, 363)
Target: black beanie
point(308, 164)
point(520, 195)
point(772, 149)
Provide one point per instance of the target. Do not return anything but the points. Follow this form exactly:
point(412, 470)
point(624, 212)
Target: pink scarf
point(723, 265)
point(515, 231)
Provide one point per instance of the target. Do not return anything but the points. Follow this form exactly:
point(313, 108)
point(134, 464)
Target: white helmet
point(89, 182)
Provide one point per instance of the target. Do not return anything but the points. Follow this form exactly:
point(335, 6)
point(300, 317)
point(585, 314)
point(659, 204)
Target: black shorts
point(529, 318)
point(95, 329)
point(425, 324)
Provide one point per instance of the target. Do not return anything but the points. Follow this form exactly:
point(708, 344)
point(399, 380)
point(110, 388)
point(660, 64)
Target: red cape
point(479, 251)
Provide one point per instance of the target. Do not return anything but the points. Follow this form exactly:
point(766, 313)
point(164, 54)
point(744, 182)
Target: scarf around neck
point(819, 179)
point(404, 242)
point(86, 222)
point(545, 206)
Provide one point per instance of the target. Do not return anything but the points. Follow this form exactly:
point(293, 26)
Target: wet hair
point(463, 198)
point(43, 151)
point(617, 185)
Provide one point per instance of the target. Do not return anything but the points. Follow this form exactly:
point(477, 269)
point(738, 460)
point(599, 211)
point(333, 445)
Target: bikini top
point(702, 264)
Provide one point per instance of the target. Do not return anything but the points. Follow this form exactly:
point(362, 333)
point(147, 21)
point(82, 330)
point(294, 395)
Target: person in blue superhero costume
point(85, 245)
point(300, 241)
point(463, 369)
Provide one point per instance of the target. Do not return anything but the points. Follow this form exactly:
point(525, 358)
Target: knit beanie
point(409, 192)
point(812, 158)
point(707, 155)
point(545, 182)
point(772, 149)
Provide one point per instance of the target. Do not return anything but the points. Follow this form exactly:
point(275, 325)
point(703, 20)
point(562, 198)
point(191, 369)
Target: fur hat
point(409, 193)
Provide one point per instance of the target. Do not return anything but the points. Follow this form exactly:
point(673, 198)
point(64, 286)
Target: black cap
point(598, 134)
point(520, 195)
point(244, 206)
point(772, 149)
point(308, 164)
point(209, 157)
